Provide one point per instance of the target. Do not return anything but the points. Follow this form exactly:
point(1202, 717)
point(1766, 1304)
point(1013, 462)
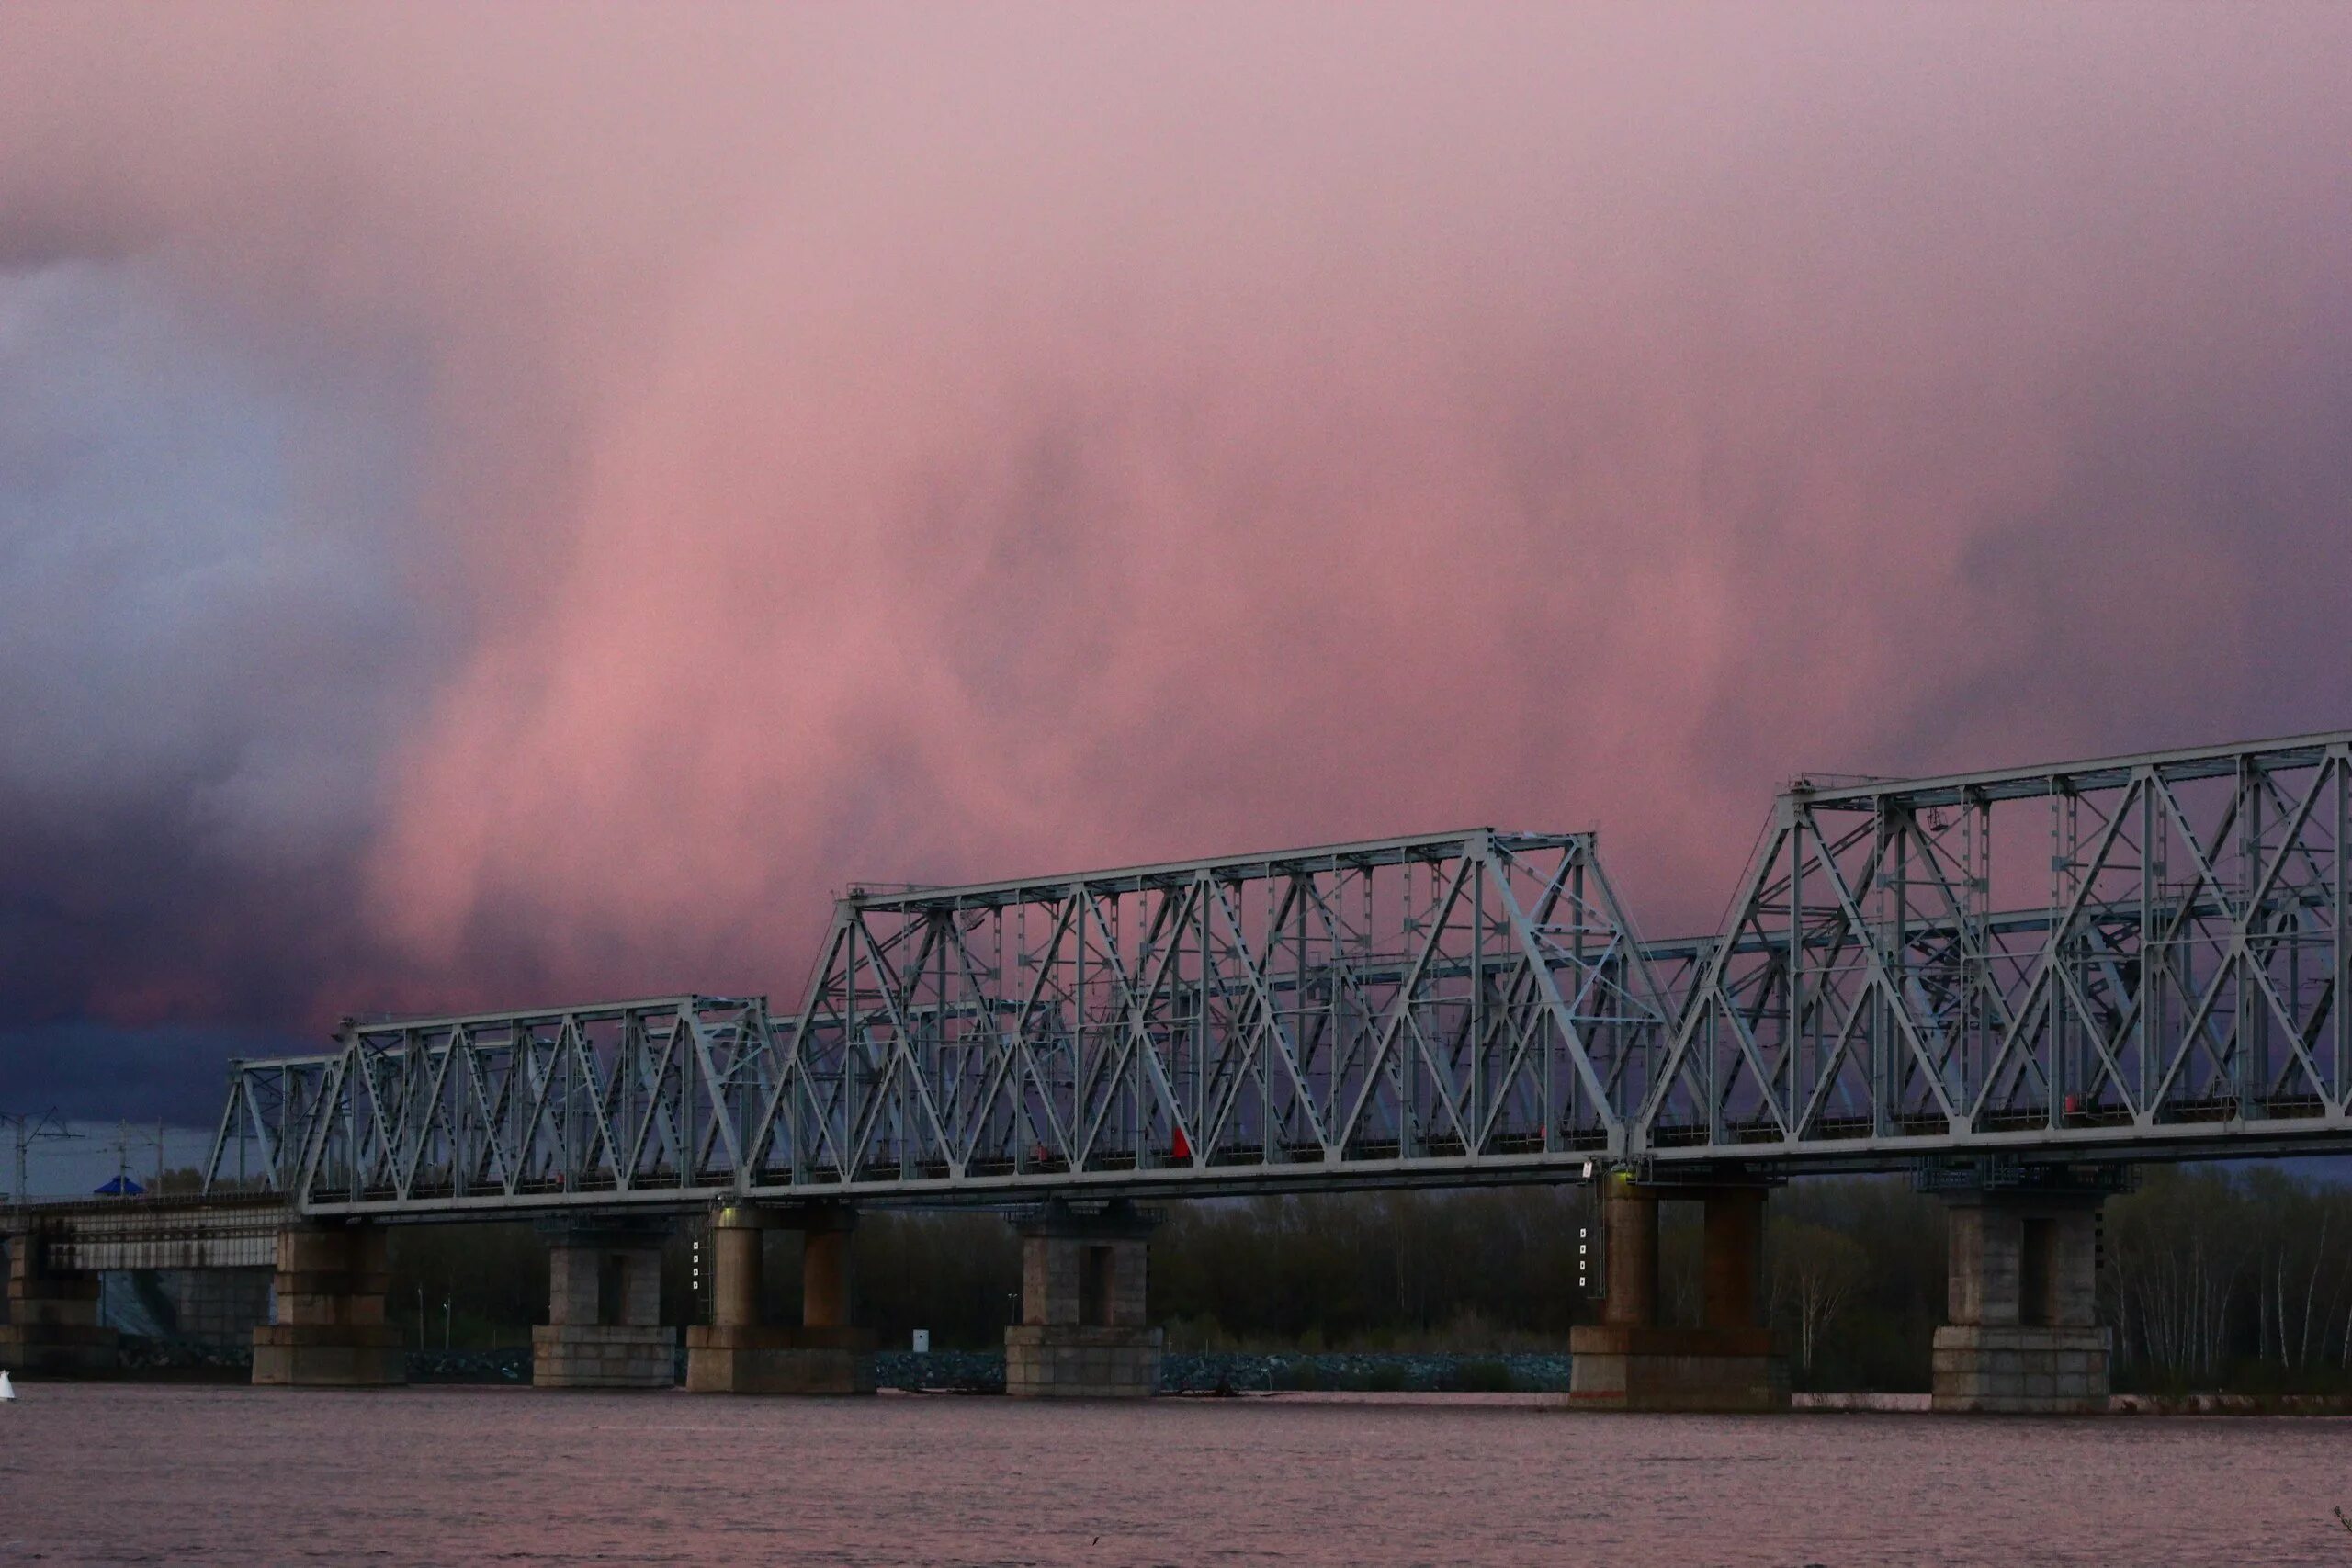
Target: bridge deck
point(221, 1231)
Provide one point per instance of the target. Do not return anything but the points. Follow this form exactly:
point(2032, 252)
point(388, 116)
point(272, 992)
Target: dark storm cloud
point(203, 646)
point(176, 1073)
point(501, 505)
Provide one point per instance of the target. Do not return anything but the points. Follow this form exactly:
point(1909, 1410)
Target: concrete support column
point(1629, 1242)
point(331, 1331)
point(740, 1352)
point(1084, 1290)
point(1630, 1361)
point(52, 1326)
point(603, 1328)
point(2021, 1294)
point(738, 1239)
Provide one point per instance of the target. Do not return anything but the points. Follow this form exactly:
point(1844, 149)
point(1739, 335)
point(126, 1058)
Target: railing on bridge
point(2136, 957)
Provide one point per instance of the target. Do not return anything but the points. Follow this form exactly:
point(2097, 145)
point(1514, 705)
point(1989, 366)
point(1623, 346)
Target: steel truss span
point(1452, 1004)
point(2135, 957)
point(2139, 956)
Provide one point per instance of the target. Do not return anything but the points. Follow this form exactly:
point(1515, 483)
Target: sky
point(518, 505)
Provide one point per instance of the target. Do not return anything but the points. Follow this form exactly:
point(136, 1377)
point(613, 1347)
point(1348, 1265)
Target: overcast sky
point(515, 505)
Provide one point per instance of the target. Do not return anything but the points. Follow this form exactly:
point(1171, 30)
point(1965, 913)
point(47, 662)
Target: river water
point(162, 1473)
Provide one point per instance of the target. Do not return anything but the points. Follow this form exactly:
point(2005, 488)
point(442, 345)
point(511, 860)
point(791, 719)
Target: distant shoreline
point(1202, 1375)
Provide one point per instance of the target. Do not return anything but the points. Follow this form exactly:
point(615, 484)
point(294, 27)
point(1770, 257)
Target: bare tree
point(1815, 1272)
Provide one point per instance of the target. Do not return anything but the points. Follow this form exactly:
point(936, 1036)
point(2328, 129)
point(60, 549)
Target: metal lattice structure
point(2137, 957)
point(1460, 1006)
point(499, 1110)
point(2143, 955)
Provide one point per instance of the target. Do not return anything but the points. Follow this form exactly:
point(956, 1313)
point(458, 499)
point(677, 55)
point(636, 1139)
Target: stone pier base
point(739, 1352)
point(291, 1355)
point(1083, 1283)
point(330, 1331)
point(1727, 1370)
point(603, 1328)
point(2053, 1371)
point(1629, 1360)
point(2022, 1275)
point(1042, 1360)
point(587, 1355)
point(777, 1358)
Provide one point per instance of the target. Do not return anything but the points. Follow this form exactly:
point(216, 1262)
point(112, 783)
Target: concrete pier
point(740, 1352)
point(1727, 1363)
point(2022, 1295)
point(52, 1326)
point(330, 1330)
point(1084, 1287)
point(603, 1328)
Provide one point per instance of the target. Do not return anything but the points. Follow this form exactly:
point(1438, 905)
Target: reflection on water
point(127, 1473)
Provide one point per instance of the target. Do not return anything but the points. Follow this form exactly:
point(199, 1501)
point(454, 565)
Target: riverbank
point(1197, 1373)
point(973, 1372)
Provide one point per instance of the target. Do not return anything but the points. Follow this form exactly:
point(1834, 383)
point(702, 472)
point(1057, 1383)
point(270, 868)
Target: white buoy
point(8, 1389)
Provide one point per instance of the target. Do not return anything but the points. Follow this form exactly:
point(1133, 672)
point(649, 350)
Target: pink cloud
point(921, 445)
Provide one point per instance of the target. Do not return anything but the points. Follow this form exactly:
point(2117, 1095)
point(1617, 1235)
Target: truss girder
point(1458, 1001)
point(2140, 952)
point(2140, 956)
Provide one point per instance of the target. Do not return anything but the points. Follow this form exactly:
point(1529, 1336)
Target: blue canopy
point(120, 1186)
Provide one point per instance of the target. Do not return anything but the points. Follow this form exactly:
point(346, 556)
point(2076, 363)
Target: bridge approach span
point(105, 1234)
point(2128, 958)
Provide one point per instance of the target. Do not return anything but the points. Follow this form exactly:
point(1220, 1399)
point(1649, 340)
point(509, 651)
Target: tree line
point(2211, 1277)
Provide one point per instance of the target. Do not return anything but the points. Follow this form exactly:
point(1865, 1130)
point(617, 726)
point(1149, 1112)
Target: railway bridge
point(2014, 984)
